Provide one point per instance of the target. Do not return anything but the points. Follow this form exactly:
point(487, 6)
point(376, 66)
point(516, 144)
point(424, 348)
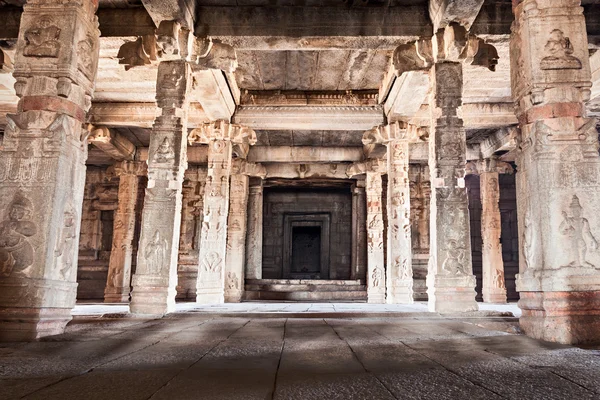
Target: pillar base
point(28, 324)
point(451, 294)
point(562, 317)
point(495, 297)
point(148, 298)
point(400, 295)
point(375, 298)
point(210, 298)
point(121, 296)
point(234, 297)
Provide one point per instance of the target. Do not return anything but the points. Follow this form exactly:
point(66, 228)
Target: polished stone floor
point(201, 355)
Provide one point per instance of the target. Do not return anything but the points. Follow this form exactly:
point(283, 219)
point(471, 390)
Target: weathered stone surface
point(42, 171)
point(119, 269)
point(376, 275)
point(450, 280)
point(254, 233)
point(155, 280)
point(558, 177)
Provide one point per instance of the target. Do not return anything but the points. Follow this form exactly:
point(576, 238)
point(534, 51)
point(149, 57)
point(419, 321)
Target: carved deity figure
point(42, 40)
point(164, 152)
point(559, 53)
point(16, 253)
point(377, 277)
point(85, 49)
point(578, 229)
point(155, 253)
point(66, 242)
point(453, 264)
point(498, 279)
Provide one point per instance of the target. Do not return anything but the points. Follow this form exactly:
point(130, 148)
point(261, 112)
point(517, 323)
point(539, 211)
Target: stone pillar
point(155, 279)
point(254, 231)
point(359, 233)
point(191, 229)
point(450, 279)
point(220, 137)
point(119, 267)
point(494, 289)
point(236, 238)
point(559, 173)
point(399, 249)
point(42, 167)
point(375, 251)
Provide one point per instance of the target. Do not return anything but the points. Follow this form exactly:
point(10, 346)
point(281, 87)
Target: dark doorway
point(306, 252)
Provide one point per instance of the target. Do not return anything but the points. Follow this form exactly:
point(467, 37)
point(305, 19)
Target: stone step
point(305, 290)
point(358, 295)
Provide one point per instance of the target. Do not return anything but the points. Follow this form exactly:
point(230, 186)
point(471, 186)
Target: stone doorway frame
point(322, 220)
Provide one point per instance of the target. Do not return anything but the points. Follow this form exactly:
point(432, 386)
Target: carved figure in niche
point(42, 41)
point(377, 277)
point(155, 253)
point(212, 262)
point(172, 79)
point(16, 253)
point(67, 240)
point(232, 281)
point(402, 266)
point(85, 49)
point(498, 279)
point(578, 229)
point(528, 241)
point(559, 53)
point(164, 152)
point(455, 255)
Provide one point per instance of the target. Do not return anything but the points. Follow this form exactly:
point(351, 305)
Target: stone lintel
point(310, 117)
point(406, 95)
point(171, 10)
point(112, 143)
point(304, 154)
point(137, 114)
point(212, 91)
point(463, 12)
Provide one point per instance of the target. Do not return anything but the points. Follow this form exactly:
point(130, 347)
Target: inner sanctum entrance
point(306, 252)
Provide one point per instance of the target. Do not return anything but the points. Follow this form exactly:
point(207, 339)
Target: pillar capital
point(126, 168)
point(222, 130)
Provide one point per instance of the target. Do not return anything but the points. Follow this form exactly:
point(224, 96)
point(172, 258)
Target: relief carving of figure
point(559, 53)
point(528, 242)
point(578, 229)
point(67, 241)
point(155, 253)
point(85, 49)
point(232, 281)
point(377, 277)
point(498, 279)
point(164, 152)
point(455, 255)
point(16, 253)
point(42, 40)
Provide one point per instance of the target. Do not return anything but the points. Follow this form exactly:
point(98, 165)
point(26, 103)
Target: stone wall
point(336, 203)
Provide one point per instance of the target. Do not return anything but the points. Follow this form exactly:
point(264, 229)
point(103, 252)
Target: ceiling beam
point(112, 143)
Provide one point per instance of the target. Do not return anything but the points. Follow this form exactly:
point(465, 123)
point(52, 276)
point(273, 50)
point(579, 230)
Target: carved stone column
point(359, 217)
point(191, 230)
point(494, 289)
point(399, 249)
point(255, 231)
point(375, 251)
point(42, 167)
point(119, 267)
point(450, 279)
point(220, 137)
point(155, 279)
point(236, 238)
point(558, 182)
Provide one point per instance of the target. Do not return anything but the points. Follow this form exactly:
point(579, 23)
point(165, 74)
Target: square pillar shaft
point(42, 167)
point(375, 251)
point(399, 277)
point(450, 279)
point(155, 280)
point(494, 288)
point(359, 232)
point(236, 238)
point(119, 268)
point(558, 180)
point(254, 232)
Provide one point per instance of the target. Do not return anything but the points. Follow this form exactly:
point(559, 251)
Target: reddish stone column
point(558, 182)
point(119, 267)
point(42, 167)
